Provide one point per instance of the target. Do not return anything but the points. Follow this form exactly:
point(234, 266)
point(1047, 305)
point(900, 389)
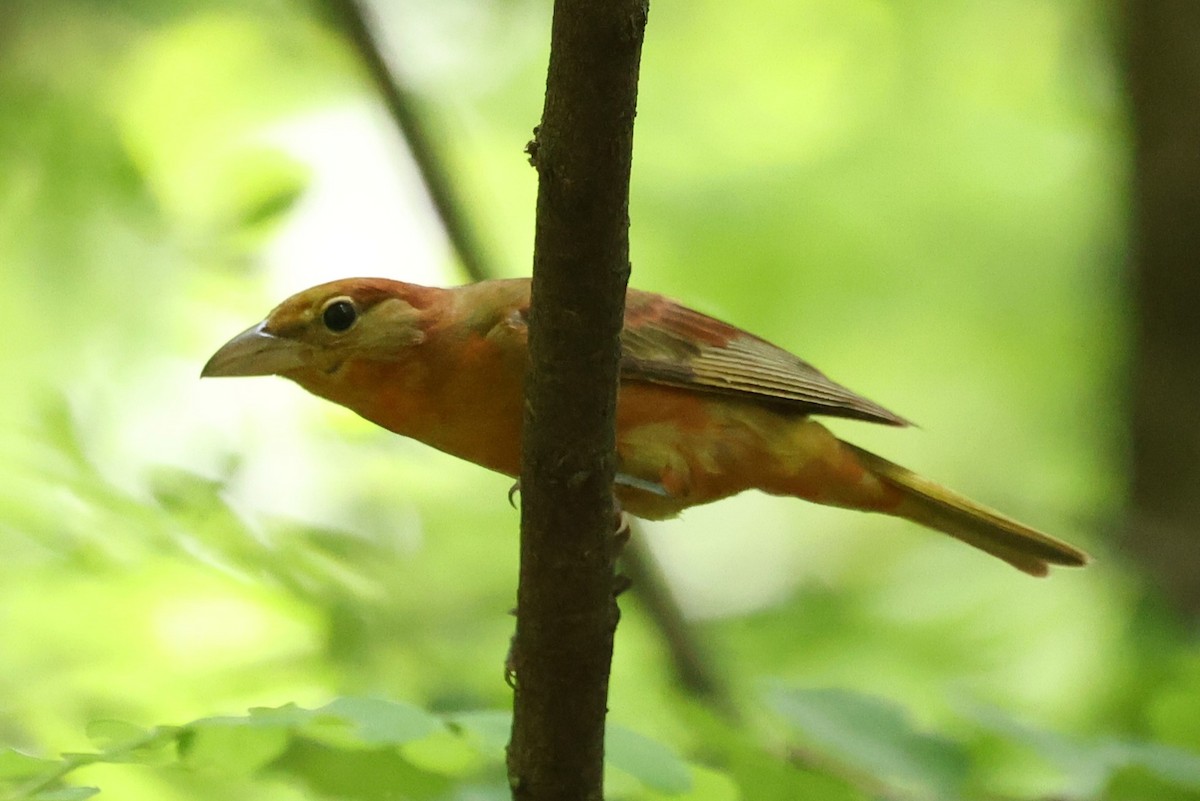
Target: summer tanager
point(705, 410)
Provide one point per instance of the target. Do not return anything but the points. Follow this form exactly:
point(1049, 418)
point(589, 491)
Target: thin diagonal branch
point(351, 16)
point(692, 665)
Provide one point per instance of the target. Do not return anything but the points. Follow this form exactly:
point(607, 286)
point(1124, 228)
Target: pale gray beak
point(255, 352)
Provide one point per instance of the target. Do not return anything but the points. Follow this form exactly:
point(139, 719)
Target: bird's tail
point(932, 505)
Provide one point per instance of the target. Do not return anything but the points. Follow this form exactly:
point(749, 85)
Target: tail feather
point(932, 505)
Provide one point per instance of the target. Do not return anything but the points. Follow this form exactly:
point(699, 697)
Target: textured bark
point(1164, 79)
point(566, 612)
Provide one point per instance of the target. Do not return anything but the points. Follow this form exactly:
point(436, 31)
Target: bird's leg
point(633, 482)
point(622, 531)
point(510, 656)
point(620, 480)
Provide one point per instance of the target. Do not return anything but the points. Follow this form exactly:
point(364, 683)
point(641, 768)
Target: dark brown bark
point(566, 612)
point(1163, 51)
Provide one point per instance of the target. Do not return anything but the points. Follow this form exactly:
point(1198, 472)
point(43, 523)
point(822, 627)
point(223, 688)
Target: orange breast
point(698, 447)
point(472, 410)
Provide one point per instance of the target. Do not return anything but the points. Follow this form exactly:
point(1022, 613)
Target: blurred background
point(930, 202)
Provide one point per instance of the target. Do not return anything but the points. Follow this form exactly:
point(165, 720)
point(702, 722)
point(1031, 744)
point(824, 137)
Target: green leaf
point(709, 785)
point(371, 722)
point(875, 736)
point(65, 794)
point(649, 761)
point(288, 716)
point(1172, 765)
point(231, 746)
point(119, 742)
point(108, 734)
point(757, 769)
point(1049, 745)
point(15, 765)
point(444, 752)
point(1093, 764)
point(360, 775)
point(488, 729)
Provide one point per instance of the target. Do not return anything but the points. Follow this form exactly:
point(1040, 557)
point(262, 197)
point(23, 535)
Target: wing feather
point(666, 343)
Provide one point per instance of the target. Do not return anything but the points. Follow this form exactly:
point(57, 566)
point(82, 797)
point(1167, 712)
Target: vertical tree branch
point(566, 611)
point(1164, 82)
point(692, 665)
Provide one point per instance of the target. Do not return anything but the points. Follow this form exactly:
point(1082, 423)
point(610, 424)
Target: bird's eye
point(339, 315)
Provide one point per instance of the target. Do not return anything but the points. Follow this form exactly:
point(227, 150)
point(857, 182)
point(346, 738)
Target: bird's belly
point(698, 448)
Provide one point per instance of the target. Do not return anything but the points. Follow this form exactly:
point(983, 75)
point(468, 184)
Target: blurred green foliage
point(925, 200)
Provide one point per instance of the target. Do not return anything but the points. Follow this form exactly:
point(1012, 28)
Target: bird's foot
point(510, 657)
point(622, 531)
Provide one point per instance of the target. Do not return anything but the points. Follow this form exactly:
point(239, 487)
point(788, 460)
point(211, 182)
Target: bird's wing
point(665, 343)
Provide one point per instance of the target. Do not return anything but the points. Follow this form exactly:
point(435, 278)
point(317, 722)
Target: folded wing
point(665, 343)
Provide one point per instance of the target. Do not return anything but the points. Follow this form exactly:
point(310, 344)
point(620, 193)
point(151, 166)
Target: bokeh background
point(929, 201)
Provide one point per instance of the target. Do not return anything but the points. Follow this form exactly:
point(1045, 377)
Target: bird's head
point(312, 335)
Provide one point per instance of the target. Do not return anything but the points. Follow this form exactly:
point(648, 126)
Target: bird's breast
point(698, 447)
point(467, 408)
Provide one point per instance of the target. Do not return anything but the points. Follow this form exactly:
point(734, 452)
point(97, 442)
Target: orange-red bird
point(705, 409)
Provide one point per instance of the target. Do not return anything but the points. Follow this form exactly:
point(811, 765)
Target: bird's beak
point(255, 352)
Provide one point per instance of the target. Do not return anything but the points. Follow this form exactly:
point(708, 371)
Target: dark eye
point(339, 315)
